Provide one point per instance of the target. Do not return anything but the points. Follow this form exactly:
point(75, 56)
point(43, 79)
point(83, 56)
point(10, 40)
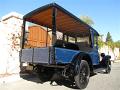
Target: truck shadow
point(100, 70)
point(33, 78)
point(67, 83)
point(30, 77)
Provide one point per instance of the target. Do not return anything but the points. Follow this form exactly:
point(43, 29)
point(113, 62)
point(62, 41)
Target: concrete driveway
point(98, 82)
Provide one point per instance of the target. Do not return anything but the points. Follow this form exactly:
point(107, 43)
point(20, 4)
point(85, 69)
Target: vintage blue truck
point(72, 55)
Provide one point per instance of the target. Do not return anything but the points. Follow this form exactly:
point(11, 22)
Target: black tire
point(108, 68)
point(82, 74)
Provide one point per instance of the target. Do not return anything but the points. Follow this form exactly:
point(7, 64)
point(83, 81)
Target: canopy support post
point(47, 37)
point(54, 37)
point(23, 35)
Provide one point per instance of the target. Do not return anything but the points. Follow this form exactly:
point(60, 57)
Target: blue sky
point(104, 13)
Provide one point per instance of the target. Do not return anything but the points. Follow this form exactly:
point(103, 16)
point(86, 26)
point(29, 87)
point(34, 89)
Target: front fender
point(107, 57)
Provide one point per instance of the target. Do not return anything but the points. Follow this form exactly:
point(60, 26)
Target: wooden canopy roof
point(65, 21)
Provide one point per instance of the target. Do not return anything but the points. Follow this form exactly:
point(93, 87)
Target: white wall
point(108, 51)
point(9, 56)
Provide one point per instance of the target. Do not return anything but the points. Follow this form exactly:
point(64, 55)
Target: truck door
point(94, 53)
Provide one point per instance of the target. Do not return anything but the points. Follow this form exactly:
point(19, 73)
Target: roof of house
point(66, 22)
point(12, 14)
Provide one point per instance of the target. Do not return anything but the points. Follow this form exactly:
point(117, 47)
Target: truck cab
point(59, 46)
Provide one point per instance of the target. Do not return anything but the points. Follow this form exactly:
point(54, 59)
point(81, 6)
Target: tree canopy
point(117, 44)
point(87, 20)
point(109, 37)
point(109, 40)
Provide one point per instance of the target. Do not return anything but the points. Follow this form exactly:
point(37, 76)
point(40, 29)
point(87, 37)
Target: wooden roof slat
point(71, 25)
point(65, 21)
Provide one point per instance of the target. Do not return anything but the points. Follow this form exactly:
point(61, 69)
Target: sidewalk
point(11, 78)
point(116, 61)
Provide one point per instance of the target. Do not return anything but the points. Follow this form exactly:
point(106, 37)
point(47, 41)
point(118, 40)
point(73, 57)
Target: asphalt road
point(98, 82)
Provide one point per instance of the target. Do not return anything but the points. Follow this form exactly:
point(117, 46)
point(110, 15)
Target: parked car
point(71, 56)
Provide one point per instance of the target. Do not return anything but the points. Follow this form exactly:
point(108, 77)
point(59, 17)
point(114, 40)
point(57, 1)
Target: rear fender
point(83, 56)
point(64, 56)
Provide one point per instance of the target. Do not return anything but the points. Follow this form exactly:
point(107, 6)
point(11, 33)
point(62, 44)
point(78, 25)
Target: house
point(10, 31)
point(10, 25)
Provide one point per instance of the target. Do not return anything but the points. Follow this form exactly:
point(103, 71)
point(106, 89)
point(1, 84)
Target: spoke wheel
point(82, 74)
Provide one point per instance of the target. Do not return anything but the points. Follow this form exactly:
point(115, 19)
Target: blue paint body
point(94, 57)
point(64, 56)
point(94, 53)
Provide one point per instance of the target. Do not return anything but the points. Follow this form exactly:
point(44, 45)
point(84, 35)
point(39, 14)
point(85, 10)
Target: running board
point(99, 70)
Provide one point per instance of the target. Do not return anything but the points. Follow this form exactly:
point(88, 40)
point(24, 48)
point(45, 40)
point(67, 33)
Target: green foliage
point(117, 44)
point(87, 20)
point(109, 41)
point(111, 45)
point(100, 42)
point(109, 37)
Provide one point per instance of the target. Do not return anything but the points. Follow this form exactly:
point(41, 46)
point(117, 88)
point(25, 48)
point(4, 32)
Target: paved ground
point(97, 82)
